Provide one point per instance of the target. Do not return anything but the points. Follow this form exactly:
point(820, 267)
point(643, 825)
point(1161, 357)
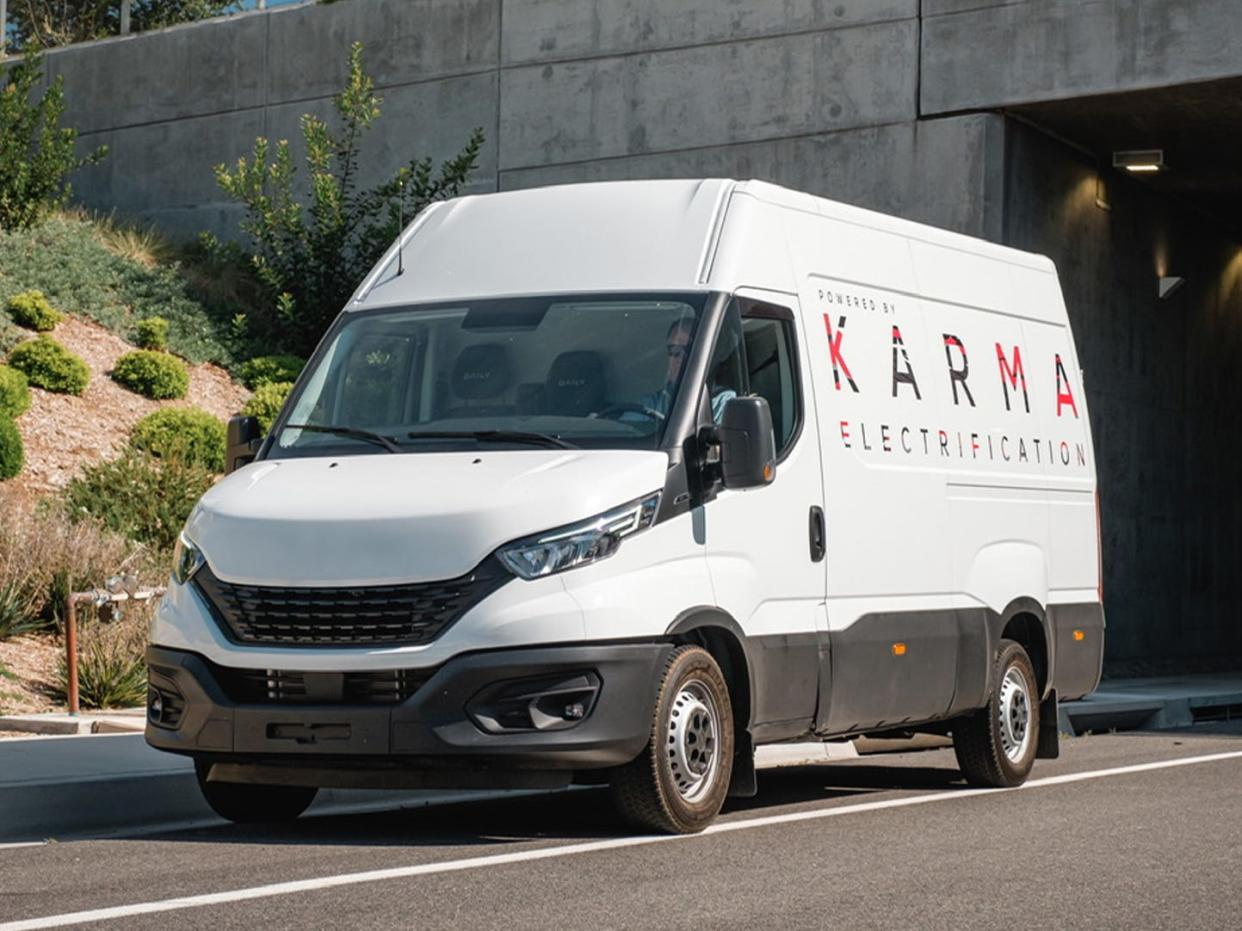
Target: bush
point(49, 365)
point(310, 257)
point(153, 333)
point(112, 669)
point(14, 393)
point(157, 375)
point(44, 555)
point(266, 403)
point(37, 155)
point(12, 454)
point(191, 435)
point(32, 310)
point(263, 370)
point(139, 496)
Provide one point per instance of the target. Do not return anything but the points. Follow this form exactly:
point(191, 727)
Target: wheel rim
point(1015, 715)
point(693, 736)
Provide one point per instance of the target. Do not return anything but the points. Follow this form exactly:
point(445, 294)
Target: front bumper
point(430, 731)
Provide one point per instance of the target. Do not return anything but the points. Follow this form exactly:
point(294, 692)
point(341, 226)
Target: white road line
point(545, 853)
point(24, 843)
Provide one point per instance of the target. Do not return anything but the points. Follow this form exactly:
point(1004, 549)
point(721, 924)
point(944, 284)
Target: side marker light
point(899, 649)
point(1080, 635)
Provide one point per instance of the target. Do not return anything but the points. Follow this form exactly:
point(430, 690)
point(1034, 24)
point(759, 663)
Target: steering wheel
point(628, 407)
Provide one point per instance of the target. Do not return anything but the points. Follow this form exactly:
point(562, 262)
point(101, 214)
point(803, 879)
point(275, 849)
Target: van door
point(767, 569)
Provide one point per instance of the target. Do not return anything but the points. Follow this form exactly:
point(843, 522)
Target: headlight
point(187, 559)
point(579, 544)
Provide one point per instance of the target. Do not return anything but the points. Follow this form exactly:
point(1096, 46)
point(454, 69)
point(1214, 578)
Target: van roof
point(656, 235)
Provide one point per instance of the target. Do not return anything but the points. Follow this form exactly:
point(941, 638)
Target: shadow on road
point(575, 814)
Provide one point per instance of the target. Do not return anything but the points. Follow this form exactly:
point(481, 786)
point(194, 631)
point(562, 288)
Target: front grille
point(281, 687)
point(358, 615)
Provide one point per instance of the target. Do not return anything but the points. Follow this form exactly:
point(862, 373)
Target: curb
point(64, 724)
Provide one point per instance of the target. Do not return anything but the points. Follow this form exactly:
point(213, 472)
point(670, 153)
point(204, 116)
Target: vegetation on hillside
point(74, 260)
point(47, 23)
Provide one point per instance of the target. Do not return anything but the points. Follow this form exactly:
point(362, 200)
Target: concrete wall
point(993, 53)
point(1162, 389)
point(813, 95)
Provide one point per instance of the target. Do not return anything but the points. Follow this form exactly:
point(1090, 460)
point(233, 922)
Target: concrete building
point(997, 118)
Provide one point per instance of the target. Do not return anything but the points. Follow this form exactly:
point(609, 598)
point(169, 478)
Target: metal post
point(125, 17)
point(71, 651)
point(98, 597)
point(4, 27)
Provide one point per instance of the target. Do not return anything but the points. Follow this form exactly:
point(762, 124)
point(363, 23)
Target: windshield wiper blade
point(387, 442)
point(494, 436)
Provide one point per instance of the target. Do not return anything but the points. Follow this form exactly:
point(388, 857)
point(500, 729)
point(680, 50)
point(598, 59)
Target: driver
point(678, 344)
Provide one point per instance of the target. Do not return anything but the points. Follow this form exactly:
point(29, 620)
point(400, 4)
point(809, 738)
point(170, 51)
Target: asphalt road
point(1107, 836)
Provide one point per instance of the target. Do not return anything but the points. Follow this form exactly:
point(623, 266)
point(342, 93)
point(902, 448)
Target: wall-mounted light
point(1140, 161)
point(1169, 284)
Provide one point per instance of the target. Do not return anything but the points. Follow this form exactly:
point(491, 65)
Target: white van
point(617, 482)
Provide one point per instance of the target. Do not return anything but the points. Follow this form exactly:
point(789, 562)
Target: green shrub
point(14, 618)
point(12, 454)
point(14, 393)
point(49, 365)
point(311, 252)
point(157, 375)
point(266, 403)
point(153, 333)
point(32, 310)
point(182, 433)
point(112, 669)
point(263, 370)
point(37, 154)
point(139, 496)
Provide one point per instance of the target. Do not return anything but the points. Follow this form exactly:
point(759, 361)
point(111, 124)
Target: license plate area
point(312, 730)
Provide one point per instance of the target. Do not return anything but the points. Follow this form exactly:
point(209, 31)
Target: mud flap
point(1048, 746)
point(743, 783)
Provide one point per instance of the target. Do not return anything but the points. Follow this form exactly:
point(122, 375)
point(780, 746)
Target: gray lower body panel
point(431, 730)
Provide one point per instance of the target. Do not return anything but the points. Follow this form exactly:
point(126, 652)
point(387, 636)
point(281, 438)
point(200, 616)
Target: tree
point(36, 152)
point(310, 257)
point(40, 24)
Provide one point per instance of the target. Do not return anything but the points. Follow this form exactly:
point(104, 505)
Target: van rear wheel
point(249, 804)
point(996, 745)
point(678, 783)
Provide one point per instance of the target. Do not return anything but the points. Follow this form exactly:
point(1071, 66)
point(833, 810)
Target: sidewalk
point(1159, 703)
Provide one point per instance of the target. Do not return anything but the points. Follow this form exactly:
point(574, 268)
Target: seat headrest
point(481, 372)
point(575, 385)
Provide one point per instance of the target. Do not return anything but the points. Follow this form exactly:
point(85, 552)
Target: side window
point(755, 355)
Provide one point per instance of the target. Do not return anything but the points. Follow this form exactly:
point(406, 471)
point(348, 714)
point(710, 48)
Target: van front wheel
point(679, 782)
point(995, 746)
point(245, 803)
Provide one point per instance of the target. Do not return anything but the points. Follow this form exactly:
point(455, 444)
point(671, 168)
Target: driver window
point(754, 355)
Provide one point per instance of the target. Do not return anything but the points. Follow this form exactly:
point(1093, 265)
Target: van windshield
point(588, 371)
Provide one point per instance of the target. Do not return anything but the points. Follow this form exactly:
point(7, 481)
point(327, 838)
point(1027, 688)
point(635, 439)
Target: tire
point(674, 786)
point(996, 745)
point(249, 804)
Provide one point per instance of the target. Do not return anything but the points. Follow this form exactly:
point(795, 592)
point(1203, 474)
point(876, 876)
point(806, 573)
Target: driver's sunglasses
point(677, 352)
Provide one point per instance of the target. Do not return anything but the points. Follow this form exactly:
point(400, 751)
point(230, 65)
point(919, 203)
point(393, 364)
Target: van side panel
point(959, 476)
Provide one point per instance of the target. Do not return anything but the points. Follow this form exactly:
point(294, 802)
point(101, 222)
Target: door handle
point(818, 533)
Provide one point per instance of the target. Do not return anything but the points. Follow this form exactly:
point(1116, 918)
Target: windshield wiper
point(387, 442)
point(494, 436)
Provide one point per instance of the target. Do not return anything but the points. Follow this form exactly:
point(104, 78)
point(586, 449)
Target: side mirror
point(747, 443)
point(244, 439)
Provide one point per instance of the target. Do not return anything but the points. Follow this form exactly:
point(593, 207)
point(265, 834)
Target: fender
point(700, 616)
